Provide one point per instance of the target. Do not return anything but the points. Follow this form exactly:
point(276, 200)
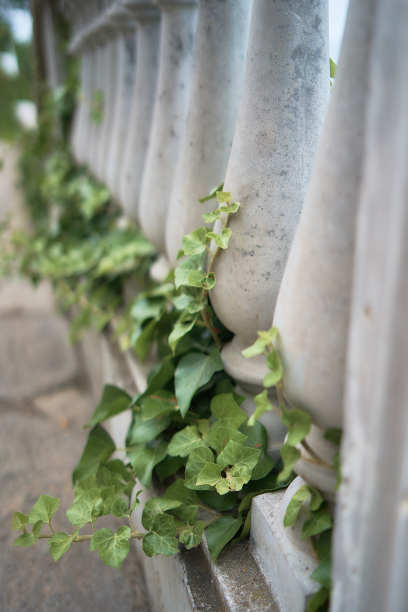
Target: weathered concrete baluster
point(139, 123)
point(283, 101)
point(313, 307)
point(178, 23)
point(219, 57)
point(125, 73)
point(54, 64)
point(371, 537)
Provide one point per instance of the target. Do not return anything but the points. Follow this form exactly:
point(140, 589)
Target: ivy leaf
point(333, 434)
point(208, 282)
point(225, 409)
point(333, 68)
point(24, 540)
point(191, 536)
point(155, 507)
point(44, 509)
point(210, 474)
point(114, 401)
point(161, 540)
point(318, 600)
point(86, 507)
point(227, 209)
point(258, 438)
point(220, 503)
point(60, 543)
point(319, 521)
point(302, 495)
point(37, 527)
point(265, 338)
point(179, 491)
point(144, 458)
point(168, 467)
point(185, 441)
point(322, 573)
point(113, 548)
point(195, 242)
point(19, 521)
point(190, 272)
point(275, 369)
point(222, 239)
point(98, 449)
point(263, 405)
point(189, 303)
point(212, 194)
point(298, 423)
point(142, 341)
point(142, 431)
point(196, 461)
point(237, 454)
point(193, 371)
point(219, 533)
point(159, 404)
point(223, 196)
point(183, 325)
point(289, 456)
point(219, 435)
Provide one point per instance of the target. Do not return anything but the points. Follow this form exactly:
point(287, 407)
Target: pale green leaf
point(160, 403)
point(185, 441)
point(222, 239)
point(161, 540)
point(142, 430)
point(195, 242)
point(212, 194)
point(183, 325)
point(275, 369)
point(24, 540)
point(262, 404)
point(196, 461)
point(289, 456)
point(302, 495)
point(155, 507)
point(86, 507)
point(44, 509)
point(223, 196)
point(298, 423)
point(319, 521)
point(237, 454)
point(220, 434)
point(19, 521)
point(191, 535)
point(210, 474)
point(60, 543)
point(112, 547)
point(317, 600)
point(226, 409)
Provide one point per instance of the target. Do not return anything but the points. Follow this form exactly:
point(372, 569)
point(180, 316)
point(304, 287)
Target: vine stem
point(134, 535)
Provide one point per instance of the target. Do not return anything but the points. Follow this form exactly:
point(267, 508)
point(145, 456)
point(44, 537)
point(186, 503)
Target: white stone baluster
point(313, 307)
point(283, 102)
point(125, 73)
point(371, 536)
point(139, 122)
point(178, 23)
point(219, 57)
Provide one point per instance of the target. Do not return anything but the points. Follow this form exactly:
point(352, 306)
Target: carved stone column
point(139, 121)
point(125, 74)
point(371, 537)
point(219, 57)
point(313, 307)
point(283, 102)
point(178, 23)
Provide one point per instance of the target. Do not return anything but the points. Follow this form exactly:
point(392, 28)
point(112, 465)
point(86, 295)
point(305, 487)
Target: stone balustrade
point(199, 92)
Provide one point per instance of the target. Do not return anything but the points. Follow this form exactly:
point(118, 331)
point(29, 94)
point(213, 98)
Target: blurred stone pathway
point(44, 401)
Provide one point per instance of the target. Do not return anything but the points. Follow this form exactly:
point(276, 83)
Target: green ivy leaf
point(237, 454)
point(98, 449)
point(224, 408)
point(161, 540)
point(37, 527)
point(302, 495)
point(323, 545)
point(185, 441)
point(19, 521)
point(220, 503)
point(219, 533)
point(210, 474)
point(144, 458)
point(190, 303)
point(195, 242)
point(190, 272)
point(142, 431)
point(265, 339)
point(160, 375)
point(258, 438)
point(194, 371)
point(219, 435)
point(87, 506)
point(333, 67)
point(263, 405)
point(319, 521)
point(155, 507)
point(142, 339)
point(24, 540)
point(222, 239)
point(196, 461)
point(168, 467)
point(212, 194)
point(223, 196)
point(333, 434)
point(160, 403)
point(191, 535)
point(114, 401)
point(227, 209)
point(113, 548)
point(44, 509)
point(289, 456)
point(183, 325)
point(275, 369)
point(298, 423)
point(318, 600)
point(59, 544)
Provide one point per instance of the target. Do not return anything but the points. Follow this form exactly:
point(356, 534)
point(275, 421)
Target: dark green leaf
point(219, 533)
point(319, 521)
point(226, 409)
point(318, 600)
point(160, 403)
point(26, 539)
point(262, 404)
point(142, 431)
point(193, 371)
point(98, 449)
point(161, 540)
point(168, 467)
point(217, 502)
point(144, 459)
point(114, 401)
point(155, 507)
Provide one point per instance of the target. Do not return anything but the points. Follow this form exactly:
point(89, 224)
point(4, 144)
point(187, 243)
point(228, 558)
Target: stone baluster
point(313, 307)
point(284, 99)
point(219, 58)
point(371, 535)
point(178, 23)
point(138, 124)
point(125, 72)
point(54, 63)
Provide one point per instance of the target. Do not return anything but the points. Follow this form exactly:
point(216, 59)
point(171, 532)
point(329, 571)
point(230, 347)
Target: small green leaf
point(275, 369)
point(222, 239)
point(114, 401)
point(219, 435)
point(302, 495)
point(37, 527)
point(191, 535)
point(319, 521)
point(322, 573)
point(19, 521)
point(113, 548)
point(226, 409)
point(60, 543)
point(196, 461)
point(44, 509)
point(318, 600)
point(24, 540)
point(235, 453)
point(219, 533)
point(220, 503)
point(144, 458)
point(156, 506)
point(223, 196)
point(188, 277)
point(161, 540)
point(257, 348)
point(333, 67)
point(183, 325)
point(195, 242)
point(142, 430)
point(86, 507)
point(168, 467)
point(185, 441)
point(212, 194)
point(160, 403)
point(193, 371)
point(98, 449)
point(289, 456)
point(333, 434)
point(298, 423)
point(262, 404)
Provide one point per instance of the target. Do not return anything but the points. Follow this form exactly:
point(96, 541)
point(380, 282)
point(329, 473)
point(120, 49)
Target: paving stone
point(36, 354)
